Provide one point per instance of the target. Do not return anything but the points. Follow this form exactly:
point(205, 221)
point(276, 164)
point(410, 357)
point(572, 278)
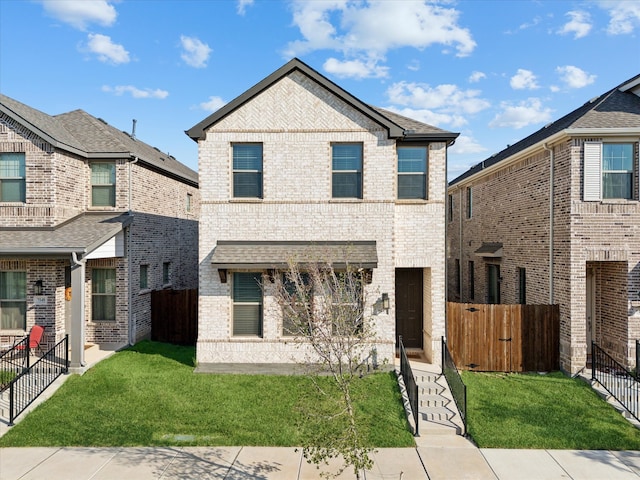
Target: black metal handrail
point(34, 379)
point(409, 383)
point(456, 385)
point(615, 379)
point(13, 362)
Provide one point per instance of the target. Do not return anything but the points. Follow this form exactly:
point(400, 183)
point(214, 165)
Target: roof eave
point(447, 137)
point(197, 132)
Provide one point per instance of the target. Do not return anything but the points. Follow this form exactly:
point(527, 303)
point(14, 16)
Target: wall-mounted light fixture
point(385, 301)
point(37, 288)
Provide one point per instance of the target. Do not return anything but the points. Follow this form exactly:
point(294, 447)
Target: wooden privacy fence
point(174, 316)
point(504, 338)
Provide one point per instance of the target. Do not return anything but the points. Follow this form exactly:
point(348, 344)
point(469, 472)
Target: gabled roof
point(396, 125)
point(616, 110)
point(89, 137)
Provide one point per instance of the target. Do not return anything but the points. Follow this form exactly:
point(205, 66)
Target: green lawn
point(149, 395)
point(543, 411)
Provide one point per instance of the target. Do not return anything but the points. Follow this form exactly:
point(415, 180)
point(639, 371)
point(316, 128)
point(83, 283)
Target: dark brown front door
point(409, 306)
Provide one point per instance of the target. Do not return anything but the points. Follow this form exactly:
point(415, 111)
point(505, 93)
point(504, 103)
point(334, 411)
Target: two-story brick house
point(296, 167)
point(555, 219)
point(91, 221)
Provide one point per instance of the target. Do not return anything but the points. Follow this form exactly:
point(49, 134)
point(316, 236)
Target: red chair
point(35, 338)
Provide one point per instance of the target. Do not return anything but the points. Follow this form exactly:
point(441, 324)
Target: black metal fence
point(456, 385)
point(409, 383)
point(615, 379)
point(31, 379)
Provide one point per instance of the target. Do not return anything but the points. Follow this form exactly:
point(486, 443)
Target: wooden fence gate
point(174, 316)
point(504, 338)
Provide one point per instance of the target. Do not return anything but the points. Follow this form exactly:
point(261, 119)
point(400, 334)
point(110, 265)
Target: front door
point(409, 306)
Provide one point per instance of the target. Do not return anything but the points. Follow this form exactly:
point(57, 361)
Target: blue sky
point(494, 71)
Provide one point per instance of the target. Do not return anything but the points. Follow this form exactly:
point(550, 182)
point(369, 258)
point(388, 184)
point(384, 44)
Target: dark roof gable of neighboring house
point(618, 108)
point(89, 137)
point(397, 126)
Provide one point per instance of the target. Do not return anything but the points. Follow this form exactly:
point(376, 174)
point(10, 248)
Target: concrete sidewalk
point(270, 463)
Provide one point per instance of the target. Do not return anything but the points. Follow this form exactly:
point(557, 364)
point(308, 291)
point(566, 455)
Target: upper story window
point(412, 172)
point(247, 170)
point(13, 300)
point(103, 184)
point(346, 159)
point(189, 203)
point(12, 177)
point(469, 202)
point(450, 209)
point(608, 171)
point(144, 277)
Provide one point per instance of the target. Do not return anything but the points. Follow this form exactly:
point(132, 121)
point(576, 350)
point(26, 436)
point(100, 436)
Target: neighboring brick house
point(555, 219)
point(91, 221)
point(297, 167)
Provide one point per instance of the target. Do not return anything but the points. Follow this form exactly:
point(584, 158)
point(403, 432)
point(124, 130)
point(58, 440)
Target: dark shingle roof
point(82, 234)
point(397, 126)
point(90, 137)
point(265, 254)
point(617, 108)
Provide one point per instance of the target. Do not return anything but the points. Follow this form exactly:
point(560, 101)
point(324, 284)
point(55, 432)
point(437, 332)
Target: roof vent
point(102, 121)
point(133, 129)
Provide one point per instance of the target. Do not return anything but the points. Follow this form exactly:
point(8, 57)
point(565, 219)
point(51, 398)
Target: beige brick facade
point(297, 119)
point(588, 265)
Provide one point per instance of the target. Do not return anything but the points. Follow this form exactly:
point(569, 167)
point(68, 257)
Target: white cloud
point(475, 77)
point(579, 25)
point(431, 117)
point(355, 69)
point(373, 28)
point(213, 104)
point(465, 145)
point(135, 92)
point(242, 6)
point(523, 80)
point(525, 113)
point(446, 98)
point(106, 50)
point(624, 16)
point(575, 77)
point(80, 13)
point(196, 53)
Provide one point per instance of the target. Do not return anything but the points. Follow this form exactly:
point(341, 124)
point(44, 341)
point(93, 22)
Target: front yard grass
point(549, 411)
point(148, 395)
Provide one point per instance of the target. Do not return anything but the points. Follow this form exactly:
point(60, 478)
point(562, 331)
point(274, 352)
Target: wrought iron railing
point(33, 378)
point(409, 383)
point(615, 379)
point(13, 362)
point(456, 385)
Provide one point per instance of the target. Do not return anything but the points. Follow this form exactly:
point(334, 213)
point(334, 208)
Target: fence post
point(593, 361)
point(637, 358)
point(66, 353)
point(442, 347)
point(11, 404)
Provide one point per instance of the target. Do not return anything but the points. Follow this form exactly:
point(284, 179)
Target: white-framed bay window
point(609, 171)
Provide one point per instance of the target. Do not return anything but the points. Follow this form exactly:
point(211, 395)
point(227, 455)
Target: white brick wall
point(296, 121)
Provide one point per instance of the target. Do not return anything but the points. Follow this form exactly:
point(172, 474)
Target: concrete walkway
point(439, 462)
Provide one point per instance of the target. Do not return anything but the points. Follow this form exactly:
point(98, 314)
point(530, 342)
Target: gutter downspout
point(551, 214)
point(132, 326)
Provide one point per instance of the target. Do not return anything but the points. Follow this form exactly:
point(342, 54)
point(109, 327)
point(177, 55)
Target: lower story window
point(13, 300)
point(247, 304)
point(103, 294)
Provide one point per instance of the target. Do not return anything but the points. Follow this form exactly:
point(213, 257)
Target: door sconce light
point(37, 288)
point(385, 301)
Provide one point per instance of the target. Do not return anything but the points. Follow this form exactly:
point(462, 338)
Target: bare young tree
point(324, 310)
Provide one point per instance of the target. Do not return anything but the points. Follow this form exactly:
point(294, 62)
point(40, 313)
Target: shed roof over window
point(272, 254)
point(492, 250)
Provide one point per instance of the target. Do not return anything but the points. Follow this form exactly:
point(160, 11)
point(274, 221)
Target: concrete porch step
point(432, 401)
